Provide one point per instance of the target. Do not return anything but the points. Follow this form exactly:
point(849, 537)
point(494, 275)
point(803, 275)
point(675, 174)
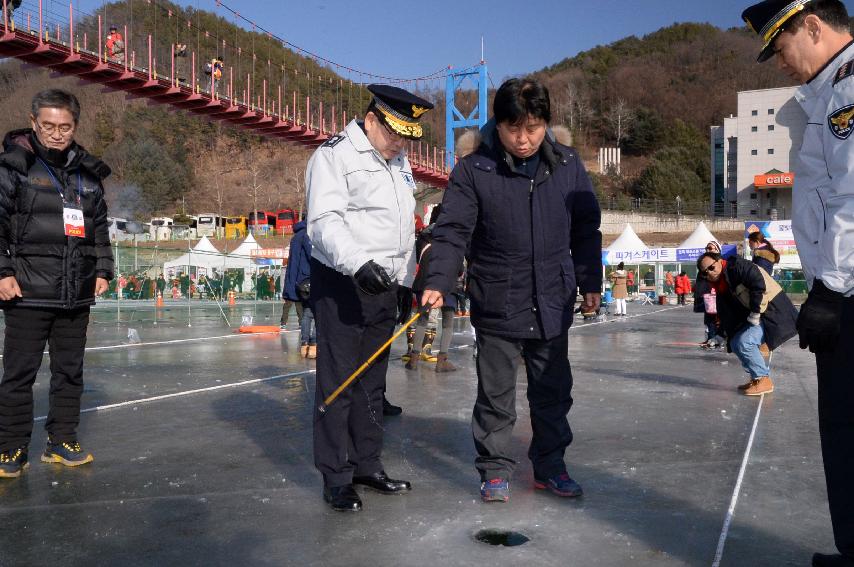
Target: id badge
point(73, 220)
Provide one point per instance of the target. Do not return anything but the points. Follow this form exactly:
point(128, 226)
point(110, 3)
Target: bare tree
point(584, 116)
point(619, 118)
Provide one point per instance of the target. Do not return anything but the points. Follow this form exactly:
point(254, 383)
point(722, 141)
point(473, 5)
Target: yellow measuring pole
point(367, 363)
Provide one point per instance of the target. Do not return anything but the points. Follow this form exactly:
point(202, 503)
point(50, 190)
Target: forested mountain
point(656, 97)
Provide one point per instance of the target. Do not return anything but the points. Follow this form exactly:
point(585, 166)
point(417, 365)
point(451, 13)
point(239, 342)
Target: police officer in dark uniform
point(812, 43)
point(361, 208)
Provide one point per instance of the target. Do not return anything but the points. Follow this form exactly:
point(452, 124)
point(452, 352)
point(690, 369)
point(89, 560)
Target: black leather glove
point(372, 278)
point(404, 304)
point(819, 319)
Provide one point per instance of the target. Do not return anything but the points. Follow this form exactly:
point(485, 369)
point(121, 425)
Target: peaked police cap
point(400, 110)
point(768, 19)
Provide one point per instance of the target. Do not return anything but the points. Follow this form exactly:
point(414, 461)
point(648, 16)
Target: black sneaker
point(69, 454)
point(13, 463)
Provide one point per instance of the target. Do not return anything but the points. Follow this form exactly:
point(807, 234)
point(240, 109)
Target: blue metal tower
point(453, 117)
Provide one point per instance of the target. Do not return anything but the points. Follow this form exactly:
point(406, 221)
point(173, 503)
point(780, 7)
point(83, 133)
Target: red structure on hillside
point(269, 113)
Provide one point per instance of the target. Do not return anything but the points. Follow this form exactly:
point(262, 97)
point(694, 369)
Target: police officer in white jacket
point(811, 42)
point(361, 224)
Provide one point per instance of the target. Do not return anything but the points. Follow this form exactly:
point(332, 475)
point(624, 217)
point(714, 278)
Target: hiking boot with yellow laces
point(69, 454)
point(13, 463)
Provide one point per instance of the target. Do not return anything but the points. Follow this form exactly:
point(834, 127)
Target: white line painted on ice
point(195, 339)
point(576, 326)
point(189, 392)
point(178, 341)
point(731, 511)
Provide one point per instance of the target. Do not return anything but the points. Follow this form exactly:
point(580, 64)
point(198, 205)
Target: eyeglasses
point(394, 135)
point(64, 129)
point(711, 268)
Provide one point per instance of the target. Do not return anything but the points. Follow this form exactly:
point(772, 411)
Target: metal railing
point(668, 207)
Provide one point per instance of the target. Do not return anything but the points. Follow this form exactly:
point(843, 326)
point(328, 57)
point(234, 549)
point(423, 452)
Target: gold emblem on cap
point(417, 111)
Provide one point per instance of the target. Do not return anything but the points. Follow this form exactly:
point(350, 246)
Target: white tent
point(699, 238)
point(203, 255)
point(241, 257)
point(627, 241)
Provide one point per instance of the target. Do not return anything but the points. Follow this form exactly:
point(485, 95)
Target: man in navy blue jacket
point(295, 274)
point(299, 271)
point(522, 208)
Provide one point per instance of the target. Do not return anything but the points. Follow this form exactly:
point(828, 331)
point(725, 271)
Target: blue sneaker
point(561, 485)
point(69, 454)
point(495, 490)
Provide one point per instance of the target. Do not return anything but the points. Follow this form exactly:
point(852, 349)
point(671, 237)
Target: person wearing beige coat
point(619, 289)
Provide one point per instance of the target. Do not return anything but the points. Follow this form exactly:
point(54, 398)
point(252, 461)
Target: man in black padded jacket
point(55, 258)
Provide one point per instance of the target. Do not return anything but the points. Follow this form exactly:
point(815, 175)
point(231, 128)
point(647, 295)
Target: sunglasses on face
point(711, 268)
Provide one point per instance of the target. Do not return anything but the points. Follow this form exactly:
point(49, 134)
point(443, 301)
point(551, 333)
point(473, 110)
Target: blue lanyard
point(58, 185)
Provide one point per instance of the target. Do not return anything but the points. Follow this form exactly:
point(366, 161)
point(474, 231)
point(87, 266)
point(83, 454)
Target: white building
point(753, 155)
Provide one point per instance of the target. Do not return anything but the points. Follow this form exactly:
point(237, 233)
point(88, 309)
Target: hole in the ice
point(506, 538)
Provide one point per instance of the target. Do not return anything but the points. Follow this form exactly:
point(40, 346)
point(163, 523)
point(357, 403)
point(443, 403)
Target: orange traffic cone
point(159, 299)
point(231, 298)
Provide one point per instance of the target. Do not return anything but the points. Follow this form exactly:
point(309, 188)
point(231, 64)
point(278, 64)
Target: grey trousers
point(549, 399)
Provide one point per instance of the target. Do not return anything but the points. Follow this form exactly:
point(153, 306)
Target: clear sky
point(407, 39)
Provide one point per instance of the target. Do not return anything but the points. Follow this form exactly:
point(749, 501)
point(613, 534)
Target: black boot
point(342, 498)
point(389, 409)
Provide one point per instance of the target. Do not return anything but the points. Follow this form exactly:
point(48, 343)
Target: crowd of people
point(182, 285)
point(353, 272)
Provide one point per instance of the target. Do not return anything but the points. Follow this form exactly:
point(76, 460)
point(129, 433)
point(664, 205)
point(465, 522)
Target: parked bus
point(116, 228)
point(209, 224)
point(161, 228)
point(266, 222)
point(235, 227)
point(285, 220)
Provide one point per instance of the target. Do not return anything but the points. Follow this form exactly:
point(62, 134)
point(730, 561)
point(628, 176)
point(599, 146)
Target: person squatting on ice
point(361, 213)
point(55, 257)
point(811, 42)
point(755, 313)
point(522, 282)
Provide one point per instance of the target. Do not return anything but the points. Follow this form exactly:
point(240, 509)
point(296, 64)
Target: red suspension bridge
point(41, 37)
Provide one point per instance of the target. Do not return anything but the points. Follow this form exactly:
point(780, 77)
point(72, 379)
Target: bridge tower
point(454, 118)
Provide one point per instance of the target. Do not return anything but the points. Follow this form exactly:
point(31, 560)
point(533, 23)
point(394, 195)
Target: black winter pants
point(27, 331)
point(549, 399)
point(350, 326)
point(836, 426)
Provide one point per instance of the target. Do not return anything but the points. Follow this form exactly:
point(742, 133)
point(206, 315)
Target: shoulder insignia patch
point(845, 71)
point(841, 122)
point(331, 142)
